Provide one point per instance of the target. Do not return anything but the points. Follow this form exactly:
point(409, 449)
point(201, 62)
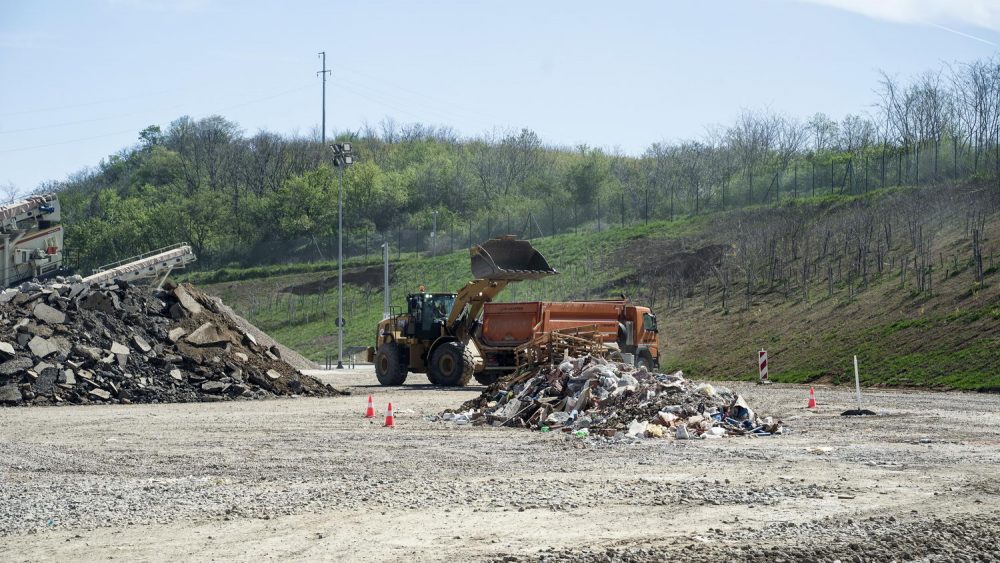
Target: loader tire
point(451, 365)
point(390, 364)
point(487, 377)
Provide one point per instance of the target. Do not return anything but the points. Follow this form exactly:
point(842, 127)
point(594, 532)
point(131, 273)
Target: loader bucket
point(506, 258)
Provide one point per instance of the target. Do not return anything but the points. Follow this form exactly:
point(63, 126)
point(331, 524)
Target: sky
point(79, 79)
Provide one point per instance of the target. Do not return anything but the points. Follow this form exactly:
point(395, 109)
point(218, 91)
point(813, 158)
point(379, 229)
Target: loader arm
point(475, 294)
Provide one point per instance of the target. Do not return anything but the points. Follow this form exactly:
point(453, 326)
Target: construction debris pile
point(591, 395)
point(69, 342)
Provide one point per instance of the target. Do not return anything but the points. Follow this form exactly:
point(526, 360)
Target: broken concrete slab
point(87, 352)
point(273, 374)
point(100, 394)
point(189, 303)
point(10, 394)
point(175, 334)
point(142, 344)
point(48, 314)
point(7, 350)
point(214, 386)
point(42, 347)
point(206, 335)
point(119, 349)
point(104, 301)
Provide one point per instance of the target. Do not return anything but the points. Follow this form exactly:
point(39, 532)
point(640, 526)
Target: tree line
point(246, 199)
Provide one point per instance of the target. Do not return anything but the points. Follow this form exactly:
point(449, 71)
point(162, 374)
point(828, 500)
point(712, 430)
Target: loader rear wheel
point(451, 365)
point(390, 365)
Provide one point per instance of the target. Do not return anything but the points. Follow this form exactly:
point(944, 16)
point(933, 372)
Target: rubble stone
point(48, 314)
point(7, 350)
point(206, 335)
point(186, 301)
point(142, 344)
point(10, 393)
point(42, 347)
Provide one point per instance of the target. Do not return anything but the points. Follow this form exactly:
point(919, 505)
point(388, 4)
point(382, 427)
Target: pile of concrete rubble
point(67, 342)
point(591, 395)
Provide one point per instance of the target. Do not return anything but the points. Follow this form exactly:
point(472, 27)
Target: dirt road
point(310, 479)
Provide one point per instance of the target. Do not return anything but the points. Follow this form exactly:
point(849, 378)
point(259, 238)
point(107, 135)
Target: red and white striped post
point(762, 363)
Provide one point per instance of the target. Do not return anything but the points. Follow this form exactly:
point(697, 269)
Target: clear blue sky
point(80, 79)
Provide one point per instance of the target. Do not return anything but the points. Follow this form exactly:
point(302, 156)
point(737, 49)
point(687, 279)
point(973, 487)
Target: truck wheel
point(644, 361)
point(487, 377)
point(451, 365)
point(390, 366)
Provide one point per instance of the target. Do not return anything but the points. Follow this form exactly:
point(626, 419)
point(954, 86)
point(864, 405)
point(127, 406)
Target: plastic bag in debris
point(682, 433)
point(557, 418)
point(715, 432)
point(667, 418)
point(740, 410)
point(566, 366)
point(626, 380)
point(706, 389)
point(636, 428)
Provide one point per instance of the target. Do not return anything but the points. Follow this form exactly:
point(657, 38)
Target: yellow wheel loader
point(435, 333)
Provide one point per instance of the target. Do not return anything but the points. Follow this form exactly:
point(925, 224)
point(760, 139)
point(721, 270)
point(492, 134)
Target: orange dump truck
point(505, 326)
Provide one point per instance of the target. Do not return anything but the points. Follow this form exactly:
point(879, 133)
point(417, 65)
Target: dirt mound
point(367, 276)
point(69, 343)
point(591, 394)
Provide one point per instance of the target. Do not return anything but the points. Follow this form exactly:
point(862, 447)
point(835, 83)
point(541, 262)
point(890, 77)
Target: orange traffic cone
point(370, 411)
point(812, 398)
point(390, 422)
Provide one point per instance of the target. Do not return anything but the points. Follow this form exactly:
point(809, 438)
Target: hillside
point(814, 281)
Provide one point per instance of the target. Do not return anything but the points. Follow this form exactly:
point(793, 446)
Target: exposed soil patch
point(366, 276)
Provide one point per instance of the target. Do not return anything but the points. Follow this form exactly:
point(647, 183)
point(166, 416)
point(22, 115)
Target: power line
point(67, 123)
point(108, 101)
point(218, 110)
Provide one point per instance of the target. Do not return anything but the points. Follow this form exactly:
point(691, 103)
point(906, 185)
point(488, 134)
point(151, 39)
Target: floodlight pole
point(342, 158)
point(434, 231)
point(340, 271)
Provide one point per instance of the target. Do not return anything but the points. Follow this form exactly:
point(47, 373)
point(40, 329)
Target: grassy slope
point(948, 339)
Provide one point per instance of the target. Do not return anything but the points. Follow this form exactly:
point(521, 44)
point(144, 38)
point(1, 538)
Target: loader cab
point(428, 313)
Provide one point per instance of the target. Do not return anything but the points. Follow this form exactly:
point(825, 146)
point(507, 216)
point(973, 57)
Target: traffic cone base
point(370, 411)
point(812, 398)
point(390, 421)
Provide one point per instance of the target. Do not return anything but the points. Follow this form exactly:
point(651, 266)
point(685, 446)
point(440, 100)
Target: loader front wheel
point(488, 377)
point(390, 365)
point(451, 365)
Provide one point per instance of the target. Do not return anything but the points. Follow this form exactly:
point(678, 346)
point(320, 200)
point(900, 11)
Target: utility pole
point(323, 73)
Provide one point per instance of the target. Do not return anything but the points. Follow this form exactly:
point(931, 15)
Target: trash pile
point(591, 395)
point(67, 342)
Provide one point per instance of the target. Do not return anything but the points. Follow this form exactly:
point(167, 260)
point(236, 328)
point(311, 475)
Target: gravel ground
point(310, 479)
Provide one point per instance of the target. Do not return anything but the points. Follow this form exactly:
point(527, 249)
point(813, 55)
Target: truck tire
point(451, 365)
point(390, 364)
point(644, 360)
point(487, 377)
